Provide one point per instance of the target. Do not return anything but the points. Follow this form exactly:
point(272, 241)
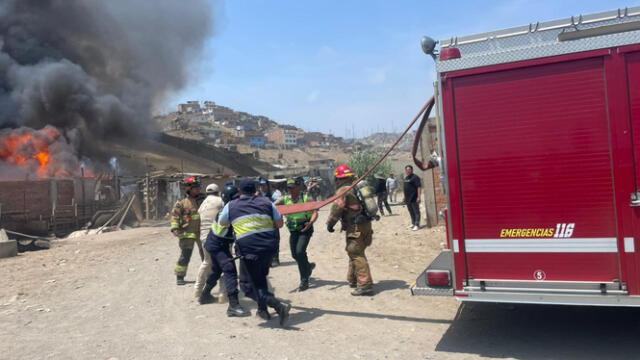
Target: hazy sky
point(336, 65)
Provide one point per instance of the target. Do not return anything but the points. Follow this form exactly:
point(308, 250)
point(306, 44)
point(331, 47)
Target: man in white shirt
point(208, 211)
point(392, 187)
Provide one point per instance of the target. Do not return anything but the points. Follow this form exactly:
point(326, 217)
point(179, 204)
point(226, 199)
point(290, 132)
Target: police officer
point(276, 197)
point(218, 246)
point(185, 225)
point(254, 220)
point(349, 211)
point(300, 227)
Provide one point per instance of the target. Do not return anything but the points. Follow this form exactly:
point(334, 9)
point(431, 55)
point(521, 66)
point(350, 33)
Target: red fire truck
point(540, 147)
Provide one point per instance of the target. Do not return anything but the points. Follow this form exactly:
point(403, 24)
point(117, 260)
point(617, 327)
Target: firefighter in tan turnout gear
point(185, 225)
point(348, 210)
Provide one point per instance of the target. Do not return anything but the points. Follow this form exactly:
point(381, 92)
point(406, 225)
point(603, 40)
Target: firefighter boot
point(362, 291)
point(206, 297)
point(180, 280)
point(234, 309)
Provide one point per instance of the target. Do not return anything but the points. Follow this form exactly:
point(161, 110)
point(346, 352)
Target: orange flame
point(21, 149)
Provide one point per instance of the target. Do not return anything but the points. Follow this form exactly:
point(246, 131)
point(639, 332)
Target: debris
point(8, 248)
point(33, 245)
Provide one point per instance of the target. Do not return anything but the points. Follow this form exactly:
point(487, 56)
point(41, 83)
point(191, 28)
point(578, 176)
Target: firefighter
point(218, 246)
point(185, 225)
point(349, 211)
point(254, 220)
point(300, 227)
point(208, 211)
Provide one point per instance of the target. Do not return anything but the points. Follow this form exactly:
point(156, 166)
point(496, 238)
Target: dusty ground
point(113, 296)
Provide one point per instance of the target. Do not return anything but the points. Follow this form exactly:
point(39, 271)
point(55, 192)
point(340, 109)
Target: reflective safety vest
point(253, 225)
point(295, 221)
point(219, 237)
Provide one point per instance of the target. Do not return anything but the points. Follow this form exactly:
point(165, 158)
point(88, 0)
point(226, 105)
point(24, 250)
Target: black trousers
point(414, 211)
point(382, 200)
point(276, 256)
point(254, 270)
point(222, 263)
point(298, 243)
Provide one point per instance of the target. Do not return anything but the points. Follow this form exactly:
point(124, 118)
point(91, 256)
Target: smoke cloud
point(96, 67)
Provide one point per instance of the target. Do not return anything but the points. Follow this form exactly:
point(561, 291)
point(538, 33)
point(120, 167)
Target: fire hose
point(316, 205)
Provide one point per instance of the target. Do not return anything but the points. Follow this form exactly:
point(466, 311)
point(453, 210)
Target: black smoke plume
point(97, 67)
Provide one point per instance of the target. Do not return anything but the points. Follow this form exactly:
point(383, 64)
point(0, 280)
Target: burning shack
point(44, 187)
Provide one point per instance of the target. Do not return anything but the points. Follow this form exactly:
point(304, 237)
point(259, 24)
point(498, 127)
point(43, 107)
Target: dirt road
point(113, 296)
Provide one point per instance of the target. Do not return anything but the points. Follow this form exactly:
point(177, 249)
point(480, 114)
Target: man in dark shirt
point(381, 193)
point(412, 196)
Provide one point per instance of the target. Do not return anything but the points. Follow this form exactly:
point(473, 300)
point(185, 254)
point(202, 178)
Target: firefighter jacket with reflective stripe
point(346, 209)
point(253, 225)
point(185, 217)
point(296, 221)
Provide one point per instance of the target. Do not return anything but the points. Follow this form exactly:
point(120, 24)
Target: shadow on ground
point(543, 332)
point(386, 285)
point(307, 314)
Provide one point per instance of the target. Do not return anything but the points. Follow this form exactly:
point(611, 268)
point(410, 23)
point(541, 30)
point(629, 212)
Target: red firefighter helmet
point(343, 171)
point(191, 181)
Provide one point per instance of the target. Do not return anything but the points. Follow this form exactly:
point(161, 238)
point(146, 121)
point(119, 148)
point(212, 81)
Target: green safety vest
point(296, 221)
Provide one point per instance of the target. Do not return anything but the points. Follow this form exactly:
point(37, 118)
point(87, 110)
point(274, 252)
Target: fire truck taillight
point(438, 277)
point(450, 53)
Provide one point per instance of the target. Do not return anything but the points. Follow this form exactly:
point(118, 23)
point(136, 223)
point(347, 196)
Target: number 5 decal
point(539, 275)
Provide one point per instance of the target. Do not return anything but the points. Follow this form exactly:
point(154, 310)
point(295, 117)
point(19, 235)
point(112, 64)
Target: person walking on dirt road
point(392, 187)
point(218, 246)
point(185, 225)
point(300, 227)
point(412, 196)
point(208, 211)
point(254, 220)
point(276, 197)
point(359, 234)
point(381, 194)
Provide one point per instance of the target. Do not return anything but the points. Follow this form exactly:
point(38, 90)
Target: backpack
point(366, 195)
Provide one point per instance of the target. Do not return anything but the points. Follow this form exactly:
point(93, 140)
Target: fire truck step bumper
point(549, 298)
point(437, 279)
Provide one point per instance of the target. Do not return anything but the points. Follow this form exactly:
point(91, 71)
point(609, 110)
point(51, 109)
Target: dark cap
point(299, 181)
point(263, 181)
point(247, 186)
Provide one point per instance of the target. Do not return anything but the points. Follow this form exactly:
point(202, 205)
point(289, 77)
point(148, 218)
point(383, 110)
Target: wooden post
point(83, 201)
point(427, 146)
point(428, 184)
point(147, 215)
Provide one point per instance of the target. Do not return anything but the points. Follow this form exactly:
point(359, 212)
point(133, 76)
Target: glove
point(330, 228)
point(176, 232)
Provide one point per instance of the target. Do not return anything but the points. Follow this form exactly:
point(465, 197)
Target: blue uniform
point(218, 245)
point(253, 220)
